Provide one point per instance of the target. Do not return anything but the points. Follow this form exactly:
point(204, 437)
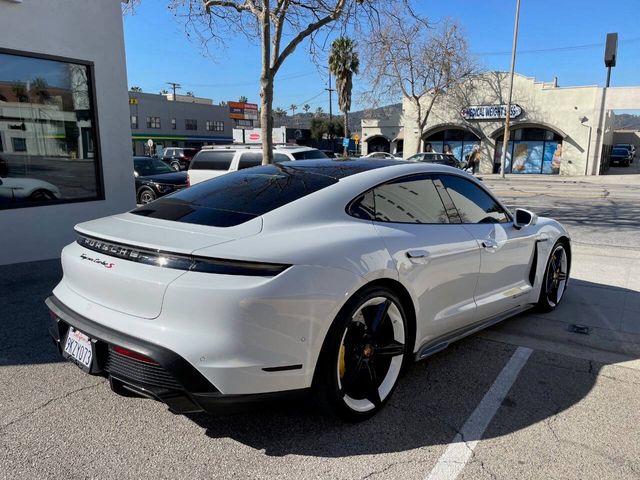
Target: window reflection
point(47, 138)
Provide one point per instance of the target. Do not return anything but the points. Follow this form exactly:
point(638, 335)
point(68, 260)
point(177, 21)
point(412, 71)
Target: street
point(570, 409)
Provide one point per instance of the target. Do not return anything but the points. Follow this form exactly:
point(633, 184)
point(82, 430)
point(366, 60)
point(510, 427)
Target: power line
point(558, 49)
point(242, 84)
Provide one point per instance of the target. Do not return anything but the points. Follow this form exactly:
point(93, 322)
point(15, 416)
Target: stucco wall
point(556, 108)
point(89, 31)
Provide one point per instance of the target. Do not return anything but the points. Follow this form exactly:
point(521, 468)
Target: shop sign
point(490, 112)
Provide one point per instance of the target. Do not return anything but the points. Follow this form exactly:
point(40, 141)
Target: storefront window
point(533, 150)
point(457, 142)
point(47, 130)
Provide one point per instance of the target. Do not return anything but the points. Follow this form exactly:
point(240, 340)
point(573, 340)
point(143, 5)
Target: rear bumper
point(171, 380)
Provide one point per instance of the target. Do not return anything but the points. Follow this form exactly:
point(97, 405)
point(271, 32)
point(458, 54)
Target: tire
point(363, 355)
point(556, 276)
point(41, 195)
point(626, 163)
point(146, 195)
point(175, 165)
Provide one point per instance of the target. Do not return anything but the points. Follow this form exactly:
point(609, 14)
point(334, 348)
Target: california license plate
point(78, 349)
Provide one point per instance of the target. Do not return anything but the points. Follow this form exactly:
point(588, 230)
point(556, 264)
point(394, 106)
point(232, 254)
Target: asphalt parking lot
point(570, 409)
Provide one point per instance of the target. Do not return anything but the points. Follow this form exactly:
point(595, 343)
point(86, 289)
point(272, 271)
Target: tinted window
point(408, 200)
point(250, 159)
point(620, 151)
point(308, 154)
point(150, 166)
point(280, 157)
point(235, 198)
point(473, 204)
point(213, 160)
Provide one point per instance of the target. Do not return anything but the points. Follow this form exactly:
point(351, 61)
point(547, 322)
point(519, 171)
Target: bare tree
point(280, 25)
point(408, 56)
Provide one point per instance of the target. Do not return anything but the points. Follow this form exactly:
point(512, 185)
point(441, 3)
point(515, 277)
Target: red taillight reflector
point(188, 180)
point(134, 355)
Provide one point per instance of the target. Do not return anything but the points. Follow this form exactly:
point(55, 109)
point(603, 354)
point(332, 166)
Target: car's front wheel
point(555, 279)
point(363, 355)
point(146, 195)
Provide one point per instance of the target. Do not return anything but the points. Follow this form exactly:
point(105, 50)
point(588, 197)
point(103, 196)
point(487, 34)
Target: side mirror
point(524, 218)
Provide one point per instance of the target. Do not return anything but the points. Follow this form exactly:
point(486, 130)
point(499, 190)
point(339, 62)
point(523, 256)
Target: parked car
point(18, 190)
point(620, 156)
point(322, 275)
point(631, 148)
point(154, 179)
point(384, 155)
point(439, 158)
point(178, 158)
point(216, 160)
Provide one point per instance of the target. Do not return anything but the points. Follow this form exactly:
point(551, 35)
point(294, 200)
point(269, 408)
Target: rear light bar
point(179, 261)
point(134, 355)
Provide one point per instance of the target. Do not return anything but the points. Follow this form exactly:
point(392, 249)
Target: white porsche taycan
point(325, 276)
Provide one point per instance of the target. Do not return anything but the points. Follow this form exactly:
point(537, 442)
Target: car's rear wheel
point(41, 195)
point(555, 279)
point(175, 165)
point(146, 195)
point(363, 355)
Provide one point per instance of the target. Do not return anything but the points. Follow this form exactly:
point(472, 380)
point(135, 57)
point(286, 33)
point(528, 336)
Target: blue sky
point(159, 51)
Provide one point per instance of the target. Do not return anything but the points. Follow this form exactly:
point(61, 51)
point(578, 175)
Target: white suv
point(213, 161)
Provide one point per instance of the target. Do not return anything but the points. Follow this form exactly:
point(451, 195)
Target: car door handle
point(417, 255)
point(490, 244)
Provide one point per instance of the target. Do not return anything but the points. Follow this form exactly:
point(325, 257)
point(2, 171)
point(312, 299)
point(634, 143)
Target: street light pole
point(505, 141)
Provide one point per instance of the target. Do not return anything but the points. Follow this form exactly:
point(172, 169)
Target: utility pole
point(330, 111)
point(330, 102)
point(174, 86)
point(505, 141)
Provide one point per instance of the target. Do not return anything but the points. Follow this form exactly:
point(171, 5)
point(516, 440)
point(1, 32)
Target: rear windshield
point(237, 197)
point(620, 151)
point(212, 160)
point(308, 155)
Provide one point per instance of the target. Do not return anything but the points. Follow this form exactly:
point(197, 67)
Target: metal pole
point(505, 141)
point(608, 76)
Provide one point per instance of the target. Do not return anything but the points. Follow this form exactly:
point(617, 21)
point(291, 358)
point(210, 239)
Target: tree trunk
point(346, 131)
point(266, 88)
point(266, 119)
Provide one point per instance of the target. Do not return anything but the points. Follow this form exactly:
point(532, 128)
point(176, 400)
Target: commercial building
point(65, 154)
point(555, 130)
point(184, 122)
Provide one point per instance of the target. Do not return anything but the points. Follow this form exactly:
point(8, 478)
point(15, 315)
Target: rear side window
point(308, 155)
point(473, 204)
point(213, 160)
point(250, 159)
point(408, 200)
point(237, 197)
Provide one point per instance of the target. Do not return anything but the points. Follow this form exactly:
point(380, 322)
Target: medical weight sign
point(489, 112)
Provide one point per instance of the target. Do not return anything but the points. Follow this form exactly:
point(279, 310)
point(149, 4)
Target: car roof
point(338, 167)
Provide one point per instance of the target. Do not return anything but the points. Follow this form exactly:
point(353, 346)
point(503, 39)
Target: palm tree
point(279, 112)
point(344, 63)
point(243, 99)
point(136, 89)
point(164, 91)
point(190, 94)
point(293, 107)
point(319, 112)
point(306, 107)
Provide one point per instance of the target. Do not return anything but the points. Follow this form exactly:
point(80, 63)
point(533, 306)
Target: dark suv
point(178, 158)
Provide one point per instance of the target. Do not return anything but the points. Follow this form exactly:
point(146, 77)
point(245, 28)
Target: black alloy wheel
point(364, 355)
point(555, 279)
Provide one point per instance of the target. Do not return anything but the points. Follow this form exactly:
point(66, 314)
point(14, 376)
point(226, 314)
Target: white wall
point(89, 31)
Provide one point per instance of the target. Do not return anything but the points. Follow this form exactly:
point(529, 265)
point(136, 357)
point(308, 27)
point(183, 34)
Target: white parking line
point(460, 450)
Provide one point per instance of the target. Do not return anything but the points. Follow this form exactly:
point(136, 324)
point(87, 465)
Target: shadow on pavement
point(433, 401)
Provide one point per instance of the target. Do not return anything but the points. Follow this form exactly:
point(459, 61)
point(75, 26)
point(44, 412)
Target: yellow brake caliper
point(341, 366)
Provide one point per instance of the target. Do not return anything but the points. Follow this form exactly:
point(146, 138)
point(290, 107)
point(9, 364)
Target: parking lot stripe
point(460, 450)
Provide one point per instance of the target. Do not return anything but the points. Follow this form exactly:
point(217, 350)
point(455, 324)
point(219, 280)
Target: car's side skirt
point(442, 342)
